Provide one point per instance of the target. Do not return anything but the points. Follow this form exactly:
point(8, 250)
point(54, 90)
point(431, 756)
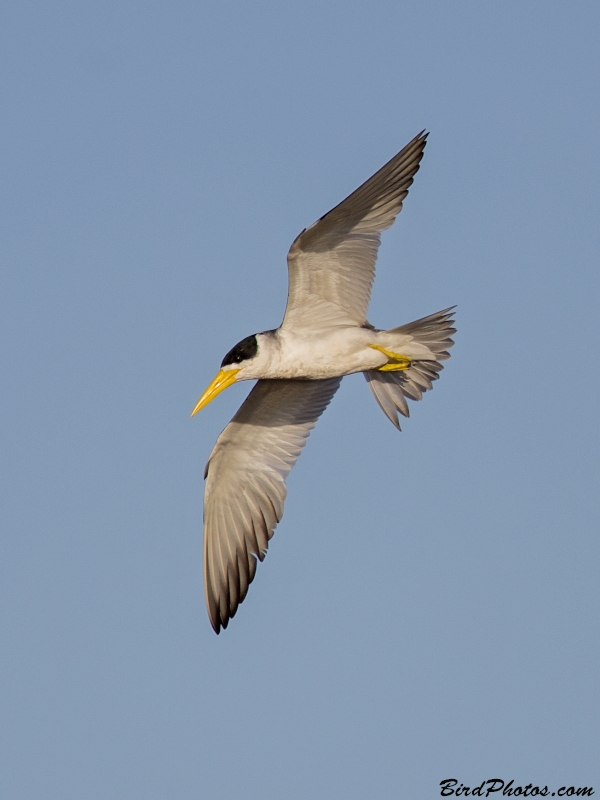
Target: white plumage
point(324, 336)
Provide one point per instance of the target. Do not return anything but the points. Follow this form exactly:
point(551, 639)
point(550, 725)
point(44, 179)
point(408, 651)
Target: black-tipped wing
point(245, 484)
point(332, 264)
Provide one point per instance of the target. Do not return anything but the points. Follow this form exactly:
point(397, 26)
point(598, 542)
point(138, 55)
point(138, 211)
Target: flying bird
point(324, 336)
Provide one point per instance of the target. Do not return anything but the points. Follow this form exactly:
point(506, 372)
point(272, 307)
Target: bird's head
point(236, 366)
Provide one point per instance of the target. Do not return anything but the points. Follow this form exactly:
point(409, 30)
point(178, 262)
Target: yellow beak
point(223, 379)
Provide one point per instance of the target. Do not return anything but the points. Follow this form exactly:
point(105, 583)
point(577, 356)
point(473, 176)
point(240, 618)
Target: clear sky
point(429, 606)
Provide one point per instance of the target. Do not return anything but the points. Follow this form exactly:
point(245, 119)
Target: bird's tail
point(432, 336)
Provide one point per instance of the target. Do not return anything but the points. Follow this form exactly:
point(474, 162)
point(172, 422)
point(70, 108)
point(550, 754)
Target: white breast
point(340, 351)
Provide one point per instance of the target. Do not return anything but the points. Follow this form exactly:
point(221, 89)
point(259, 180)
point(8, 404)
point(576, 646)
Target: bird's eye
point(243, 350)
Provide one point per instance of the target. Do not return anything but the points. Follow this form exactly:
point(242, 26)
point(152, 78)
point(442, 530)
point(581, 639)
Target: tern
point(324, 336)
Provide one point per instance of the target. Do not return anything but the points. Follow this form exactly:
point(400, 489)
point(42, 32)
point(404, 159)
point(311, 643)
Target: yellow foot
point(396, 362)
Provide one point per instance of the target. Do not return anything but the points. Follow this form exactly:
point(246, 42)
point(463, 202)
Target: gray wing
point(331, 265)
point(245, 486)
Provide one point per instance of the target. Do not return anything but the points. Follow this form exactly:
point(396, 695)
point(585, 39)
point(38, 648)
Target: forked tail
point(391, 388)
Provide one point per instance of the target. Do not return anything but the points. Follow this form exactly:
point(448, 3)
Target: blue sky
point(429, 605)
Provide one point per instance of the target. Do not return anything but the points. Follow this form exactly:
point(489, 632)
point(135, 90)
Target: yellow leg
point(397, 362)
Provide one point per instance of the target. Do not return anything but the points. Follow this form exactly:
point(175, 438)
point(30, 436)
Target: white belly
point(341, 351)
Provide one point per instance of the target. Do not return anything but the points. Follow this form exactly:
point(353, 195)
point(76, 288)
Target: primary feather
point(331, 265)
point(245, 486)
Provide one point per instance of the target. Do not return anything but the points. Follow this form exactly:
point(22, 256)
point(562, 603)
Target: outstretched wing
point(331, 265)
point(245, 486)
